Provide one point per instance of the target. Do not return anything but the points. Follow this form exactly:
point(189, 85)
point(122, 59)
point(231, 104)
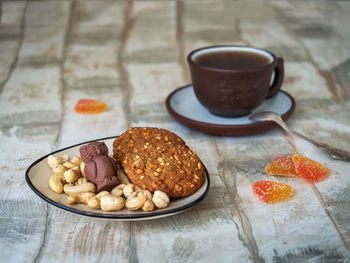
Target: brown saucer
point(184, 107)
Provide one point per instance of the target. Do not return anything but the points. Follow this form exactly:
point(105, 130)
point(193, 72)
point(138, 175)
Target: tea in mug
point(232, 60)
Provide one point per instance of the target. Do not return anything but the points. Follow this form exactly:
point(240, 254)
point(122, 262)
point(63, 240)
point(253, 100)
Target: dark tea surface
point(232, 60)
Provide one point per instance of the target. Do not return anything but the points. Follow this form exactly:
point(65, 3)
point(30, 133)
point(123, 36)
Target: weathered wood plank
point(199, 27)
point(189, 237)
point(73, 237)
point(148, 62)
point(28, 98)
point(12, 13)
point(8, 51)
point(297, 80)
point(31, 111)
point(153, 39)
point(19, 155)
point(89, 67)
point(10, 28)
point(22, 225)
point(92, 71)
point(325, 41)
point(44, 34)
point(11, 33)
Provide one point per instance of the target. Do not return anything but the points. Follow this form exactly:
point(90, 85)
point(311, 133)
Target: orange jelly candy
point(281, 166)
point(310, 170)
point(89, 106)
point(272, 192)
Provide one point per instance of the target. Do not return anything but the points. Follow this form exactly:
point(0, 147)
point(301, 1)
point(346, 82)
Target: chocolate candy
point(102, 171)
point(87, 152)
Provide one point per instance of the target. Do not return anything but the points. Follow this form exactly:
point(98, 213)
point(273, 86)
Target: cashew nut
point(71, 176)
point(82, 169)
point(81, 180)
point(95, 202)
point(118, 190)
point(81, 198)
point(76, 160)
point(133, 194)
point(128, 190)
point(86, 187)
point(52, 161)
point(160, 199)
point(136, 201)
point(148, 205)
point(55, 183)
point(147, 194)
point(103, 193)
point(77, 169)
point(69, 165)
point(112, 202)
point(65, 157)
point(59, 168)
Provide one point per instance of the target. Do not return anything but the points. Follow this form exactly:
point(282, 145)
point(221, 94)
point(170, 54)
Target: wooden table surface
point(131, 55)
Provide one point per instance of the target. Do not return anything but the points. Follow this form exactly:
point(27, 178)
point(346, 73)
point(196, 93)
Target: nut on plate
point(128, 190)
point(76, 160)
point(95, 202)
point(112, 203)
point(160, 199)
point(80, 198)
point(55, 183)
point(118, 190)
point(71, 176)
point(69, 164)
point(82, 169)
point(52, 161)
point(147, 194)
point(59, 168)
point(81, 180)
point(148, 205)
point(135, 201)
point(65, 157)
point(85, 187)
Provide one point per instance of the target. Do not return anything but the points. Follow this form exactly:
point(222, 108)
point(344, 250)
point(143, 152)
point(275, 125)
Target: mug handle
point(279, 76)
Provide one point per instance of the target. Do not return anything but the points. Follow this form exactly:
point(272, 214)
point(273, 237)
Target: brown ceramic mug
point(240, 83)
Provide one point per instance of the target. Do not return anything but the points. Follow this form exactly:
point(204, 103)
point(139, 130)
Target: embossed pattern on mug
point(234, 92)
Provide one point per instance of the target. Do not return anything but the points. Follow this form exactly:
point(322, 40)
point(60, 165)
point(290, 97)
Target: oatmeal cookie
point(157, 159)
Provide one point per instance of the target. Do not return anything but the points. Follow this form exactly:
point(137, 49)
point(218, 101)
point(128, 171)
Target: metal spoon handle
point(281, 123)
point(332, 151)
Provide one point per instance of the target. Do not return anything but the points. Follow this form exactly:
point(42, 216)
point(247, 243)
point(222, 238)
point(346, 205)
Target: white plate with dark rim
point(38, 174)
